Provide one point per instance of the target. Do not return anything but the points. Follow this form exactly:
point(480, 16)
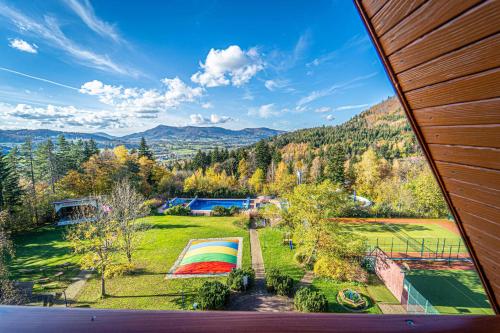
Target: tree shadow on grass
point(154, 225)
point(383, 227)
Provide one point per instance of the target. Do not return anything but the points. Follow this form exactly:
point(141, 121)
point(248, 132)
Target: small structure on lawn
point(67, 210)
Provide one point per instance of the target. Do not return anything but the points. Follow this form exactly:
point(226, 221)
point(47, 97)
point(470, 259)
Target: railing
point(447, 249)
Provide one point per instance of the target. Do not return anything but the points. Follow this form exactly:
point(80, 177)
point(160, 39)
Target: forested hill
point(383, 127)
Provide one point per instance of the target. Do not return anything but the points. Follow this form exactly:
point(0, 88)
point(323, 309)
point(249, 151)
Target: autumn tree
point(429, 198)
point(97, 242)
point(370, 170)
point(126, 208)
point(257, 181)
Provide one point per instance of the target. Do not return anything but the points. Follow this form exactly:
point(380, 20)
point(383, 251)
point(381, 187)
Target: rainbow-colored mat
point(208, 256)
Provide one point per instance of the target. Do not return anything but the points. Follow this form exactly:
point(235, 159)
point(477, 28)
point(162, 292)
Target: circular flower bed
point(352, 300)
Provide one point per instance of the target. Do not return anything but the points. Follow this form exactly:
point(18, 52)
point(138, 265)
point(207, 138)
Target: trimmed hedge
point(308, 300)
point(178, 210)
point(279, 283)
point(223, 211)
point(235, 278)
point(213, 295)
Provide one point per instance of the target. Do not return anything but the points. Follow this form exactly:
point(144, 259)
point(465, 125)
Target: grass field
point(278, 255)
point(408, 237)
point(451, 291)
point(146, 288)
point(40, 255)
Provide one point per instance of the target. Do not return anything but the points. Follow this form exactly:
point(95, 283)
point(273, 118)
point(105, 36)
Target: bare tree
point(97, 241)
point(126, 208)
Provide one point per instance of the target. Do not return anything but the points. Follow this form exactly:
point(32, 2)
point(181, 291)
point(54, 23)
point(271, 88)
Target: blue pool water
point(209, 204)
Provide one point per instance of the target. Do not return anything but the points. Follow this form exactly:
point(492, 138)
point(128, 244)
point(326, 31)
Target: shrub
point(213, 295)
point(368, 263)
point(178, 210)
point(307, 300)
point(338, 269)
point(278, 282)
point(220, 211)
point(235, 278)
point(242, 221)
point(152, 205)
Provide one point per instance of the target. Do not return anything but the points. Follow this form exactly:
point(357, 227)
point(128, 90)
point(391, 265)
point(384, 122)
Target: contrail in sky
point(38, 78)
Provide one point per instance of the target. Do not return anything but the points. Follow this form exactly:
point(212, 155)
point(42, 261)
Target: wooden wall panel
point(473, 87)
point(373, 6)
point(490, 197)
point(468, 113)
point(470, 27)
point(473, 135)
point(482, 157)
point(471, 174)
point(474, 58)
point(427, 17)
point(443, 58)
point(388, 16)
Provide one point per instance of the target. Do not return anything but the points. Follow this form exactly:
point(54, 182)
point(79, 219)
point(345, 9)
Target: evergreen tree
point(334, 169)
point(28, 169)
point(262, 156)
point(144, 149)
point(12, 190)
point(46, 165)
point(63, 157)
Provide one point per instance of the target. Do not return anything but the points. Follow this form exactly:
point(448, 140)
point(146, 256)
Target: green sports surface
point(451, 291)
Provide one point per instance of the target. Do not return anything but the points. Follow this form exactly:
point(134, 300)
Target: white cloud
point(23, 45)
point(198, 119)
point(350, 107)
point(273, 85)
point(86, 12)
point(60, 116)
point(314, 95)
point(50, 32)
point(323, 109)
point(207, 105)
point(330, 117)
point(230, 66)
point(140, 100)
point(264, 111)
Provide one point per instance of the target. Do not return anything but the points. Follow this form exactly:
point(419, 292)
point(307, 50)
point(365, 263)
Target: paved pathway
point(258, 299)
point(74, 288)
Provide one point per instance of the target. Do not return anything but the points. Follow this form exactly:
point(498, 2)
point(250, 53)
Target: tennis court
point(405, 240)
point(451, 291)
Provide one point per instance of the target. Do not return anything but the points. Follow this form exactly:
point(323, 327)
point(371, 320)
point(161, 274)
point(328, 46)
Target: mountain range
point(158, 133)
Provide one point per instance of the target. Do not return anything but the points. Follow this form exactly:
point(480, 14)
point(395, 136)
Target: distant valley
point(168, 142)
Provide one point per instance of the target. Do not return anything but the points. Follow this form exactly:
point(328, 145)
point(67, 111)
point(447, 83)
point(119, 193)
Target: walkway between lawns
point(74, 288)
point(258, 299)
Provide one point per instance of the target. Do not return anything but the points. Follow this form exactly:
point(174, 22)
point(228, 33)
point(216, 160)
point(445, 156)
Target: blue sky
point(124, 66)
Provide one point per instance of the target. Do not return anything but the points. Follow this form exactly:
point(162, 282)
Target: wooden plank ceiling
point(443, 57)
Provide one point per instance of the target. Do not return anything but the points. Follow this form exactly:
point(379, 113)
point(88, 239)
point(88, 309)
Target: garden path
point(258, 299)
point(74, 288)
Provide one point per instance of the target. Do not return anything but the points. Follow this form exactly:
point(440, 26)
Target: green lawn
point(278, 255)
point(408, 237)
point(162, 244)
point(39, 255)
point(451, 291)
point(331, 288)
point(146, 288)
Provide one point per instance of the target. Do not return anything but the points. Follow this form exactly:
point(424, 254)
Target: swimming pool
point(209, 204)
